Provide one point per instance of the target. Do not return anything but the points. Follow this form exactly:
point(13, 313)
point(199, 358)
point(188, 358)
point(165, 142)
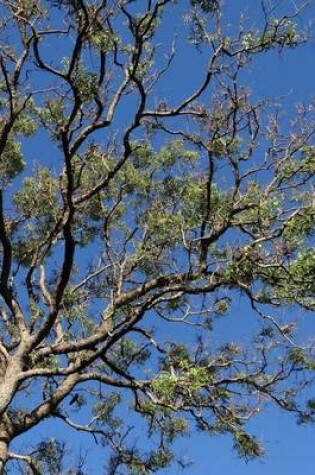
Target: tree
point(144, 215)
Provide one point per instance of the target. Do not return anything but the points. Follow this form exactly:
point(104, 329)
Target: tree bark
point(3, 450)
point(9, 383)
point(9, 371)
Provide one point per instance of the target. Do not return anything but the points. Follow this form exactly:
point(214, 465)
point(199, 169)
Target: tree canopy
point(131, 221)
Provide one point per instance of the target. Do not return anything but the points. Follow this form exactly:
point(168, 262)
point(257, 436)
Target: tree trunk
point(9, 382)
point(9, 372)
point(3, 451)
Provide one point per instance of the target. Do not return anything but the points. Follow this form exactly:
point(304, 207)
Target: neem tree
point(140, 222)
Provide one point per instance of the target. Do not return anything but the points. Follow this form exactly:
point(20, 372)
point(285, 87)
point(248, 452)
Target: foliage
point(136, 225)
